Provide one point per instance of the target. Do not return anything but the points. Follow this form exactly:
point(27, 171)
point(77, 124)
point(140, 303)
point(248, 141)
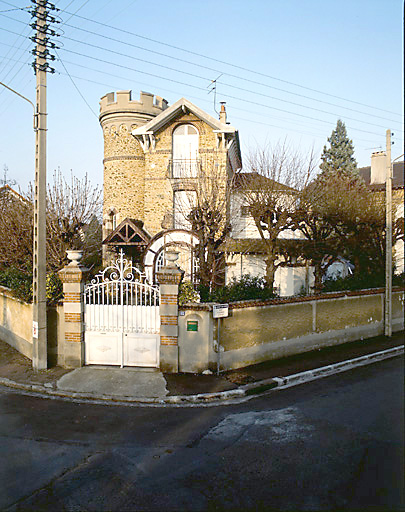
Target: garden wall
point(260, 331)
point(16, 326)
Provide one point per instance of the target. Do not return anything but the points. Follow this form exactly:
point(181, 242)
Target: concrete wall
point(16, 322)
point(16, 327)
point(256, 333)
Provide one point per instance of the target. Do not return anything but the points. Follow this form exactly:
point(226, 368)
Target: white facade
point(288, 280)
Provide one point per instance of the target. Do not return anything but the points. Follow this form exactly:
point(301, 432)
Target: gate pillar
point(72, 277)
point(169, 278)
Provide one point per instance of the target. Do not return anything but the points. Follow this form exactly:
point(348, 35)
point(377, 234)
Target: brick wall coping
point(207, 306)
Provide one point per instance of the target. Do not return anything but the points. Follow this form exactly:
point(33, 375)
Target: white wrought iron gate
point(121, 316)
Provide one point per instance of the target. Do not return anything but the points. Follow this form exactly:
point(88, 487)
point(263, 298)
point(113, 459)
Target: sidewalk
point(151, 386)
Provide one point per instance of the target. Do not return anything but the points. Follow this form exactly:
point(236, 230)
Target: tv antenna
point(213, 88)
point(5, 181)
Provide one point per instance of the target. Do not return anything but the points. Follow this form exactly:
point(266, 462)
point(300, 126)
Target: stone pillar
point(72, 277)
point(169, 279)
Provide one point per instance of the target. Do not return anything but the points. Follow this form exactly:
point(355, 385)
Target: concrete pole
point(388, 239)
point(39, 338)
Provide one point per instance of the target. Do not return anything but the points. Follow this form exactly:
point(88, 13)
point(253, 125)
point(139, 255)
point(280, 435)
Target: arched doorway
point(180, 240)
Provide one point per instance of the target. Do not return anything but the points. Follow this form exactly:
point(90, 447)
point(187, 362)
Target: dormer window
point(185, 151)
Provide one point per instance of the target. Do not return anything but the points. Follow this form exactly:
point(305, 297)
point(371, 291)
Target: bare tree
point(206, 213)
point(73, 208)
point(271, 190)
point(16, 231)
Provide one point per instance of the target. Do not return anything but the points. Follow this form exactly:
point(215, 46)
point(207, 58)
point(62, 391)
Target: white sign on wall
point(220, 310)
point(35, 329)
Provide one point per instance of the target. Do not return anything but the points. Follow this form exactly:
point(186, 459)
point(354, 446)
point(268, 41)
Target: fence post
point(169, 278)
point(72, 277)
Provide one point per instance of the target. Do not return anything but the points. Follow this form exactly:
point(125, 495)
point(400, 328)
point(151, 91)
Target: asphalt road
point(336, 443)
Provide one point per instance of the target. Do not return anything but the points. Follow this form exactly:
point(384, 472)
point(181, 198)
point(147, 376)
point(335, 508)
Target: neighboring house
point(246, 251)
point(374, 177)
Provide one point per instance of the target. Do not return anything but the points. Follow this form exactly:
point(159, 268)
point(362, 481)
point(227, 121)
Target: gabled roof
point(182, 105)
point(129, 232)
point(6, 190)
point(254, 180)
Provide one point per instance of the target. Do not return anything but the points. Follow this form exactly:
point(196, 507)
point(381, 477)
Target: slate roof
point(253, 180)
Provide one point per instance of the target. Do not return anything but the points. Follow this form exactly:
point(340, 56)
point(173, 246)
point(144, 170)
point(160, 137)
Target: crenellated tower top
point(119, 108)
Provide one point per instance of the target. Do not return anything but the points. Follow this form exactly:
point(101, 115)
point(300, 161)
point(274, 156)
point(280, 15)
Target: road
point(336, 443)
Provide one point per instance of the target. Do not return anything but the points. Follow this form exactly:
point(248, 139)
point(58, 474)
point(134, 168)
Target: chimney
point(378, 167)
point(222, 113)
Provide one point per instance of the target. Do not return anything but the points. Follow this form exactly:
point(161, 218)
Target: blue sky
point(287, 70)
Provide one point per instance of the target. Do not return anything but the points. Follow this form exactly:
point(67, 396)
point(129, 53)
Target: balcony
point(184, 168)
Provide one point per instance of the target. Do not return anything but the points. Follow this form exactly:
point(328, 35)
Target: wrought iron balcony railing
point(184, 168)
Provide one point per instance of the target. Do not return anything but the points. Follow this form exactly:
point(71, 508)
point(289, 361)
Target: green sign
point(192, 325)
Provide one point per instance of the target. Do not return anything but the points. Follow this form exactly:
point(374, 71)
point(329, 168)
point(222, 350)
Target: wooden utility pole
point(388, 239)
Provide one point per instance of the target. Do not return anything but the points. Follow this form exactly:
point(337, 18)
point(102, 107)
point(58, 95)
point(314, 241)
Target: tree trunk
point(318, 275)
point(270, 272)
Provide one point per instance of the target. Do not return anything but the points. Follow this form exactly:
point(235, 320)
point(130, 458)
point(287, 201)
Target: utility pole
point(388, 239)
point(39, 329)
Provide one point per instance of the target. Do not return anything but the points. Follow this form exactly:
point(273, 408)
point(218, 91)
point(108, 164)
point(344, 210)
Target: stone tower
point(124, 159)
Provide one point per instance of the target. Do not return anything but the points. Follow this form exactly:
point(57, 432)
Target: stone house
point(154, 159)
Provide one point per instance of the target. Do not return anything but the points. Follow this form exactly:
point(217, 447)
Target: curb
point(246, 391)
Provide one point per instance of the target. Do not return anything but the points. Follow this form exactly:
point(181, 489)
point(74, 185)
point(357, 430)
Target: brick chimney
point(378, 167)
point(222, 113)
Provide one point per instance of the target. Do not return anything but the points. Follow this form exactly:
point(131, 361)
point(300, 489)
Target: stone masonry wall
point(124, 181)
point(158, 187)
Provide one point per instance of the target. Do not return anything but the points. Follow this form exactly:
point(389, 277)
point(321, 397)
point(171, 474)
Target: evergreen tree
point(338, 160)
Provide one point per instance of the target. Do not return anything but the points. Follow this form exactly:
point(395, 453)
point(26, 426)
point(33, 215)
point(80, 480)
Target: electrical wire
point(226, 84)
point(255, 82)
point(75, 86)
point(200, 88)
point(109, 26)
point(229, 64)
point(223, 83)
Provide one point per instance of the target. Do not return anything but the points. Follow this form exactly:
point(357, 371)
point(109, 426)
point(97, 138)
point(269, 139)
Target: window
point(184, 201)
point(185, 151)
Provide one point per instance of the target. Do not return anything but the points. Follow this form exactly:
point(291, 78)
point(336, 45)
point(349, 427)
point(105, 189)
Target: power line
point(232, 65)
point(223, 83)
point(75, 86)
point(255, 82)
point(219, 61)
point(189, 85)
point(200, 88)
point(227, 85)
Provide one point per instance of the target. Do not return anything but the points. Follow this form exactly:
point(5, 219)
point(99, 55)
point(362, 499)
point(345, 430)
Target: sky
point(287, 71)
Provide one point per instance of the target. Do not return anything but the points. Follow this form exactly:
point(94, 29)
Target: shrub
point(360, 282)
point(187, 293)
point(246, 288)
point(20, 284)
